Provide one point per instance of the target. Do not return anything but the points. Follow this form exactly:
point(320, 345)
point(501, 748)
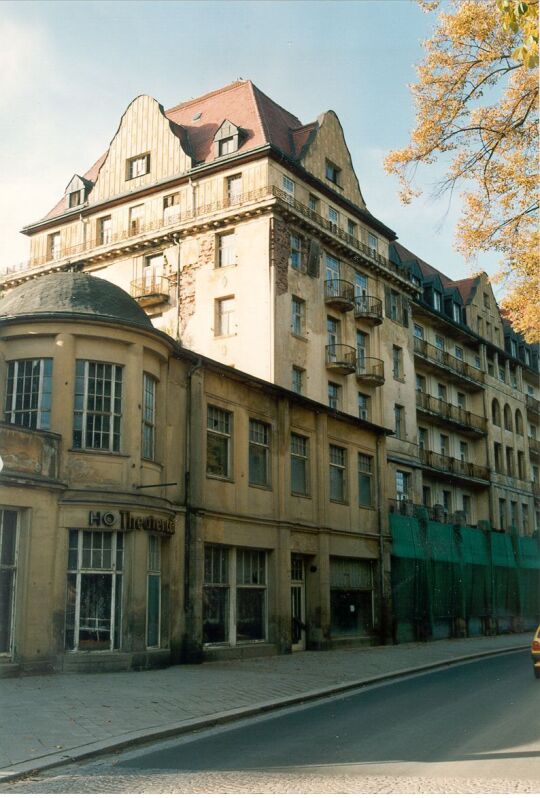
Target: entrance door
point(298, 603)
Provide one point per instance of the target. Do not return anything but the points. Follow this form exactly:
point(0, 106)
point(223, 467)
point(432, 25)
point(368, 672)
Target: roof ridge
point(195, 100)
point(262, 118)
point(281, 107)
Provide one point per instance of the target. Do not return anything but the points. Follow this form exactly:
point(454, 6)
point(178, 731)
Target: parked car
point(535, 653)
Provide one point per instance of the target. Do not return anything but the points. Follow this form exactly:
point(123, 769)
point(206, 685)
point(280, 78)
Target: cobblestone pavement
point(66, 715)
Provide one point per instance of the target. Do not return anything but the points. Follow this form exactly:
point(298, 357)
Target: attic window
point(196, 116)
point(226, 139)
point(140, 165)
point(332, 172)
point(226, 146)
point(75, 198)
point(437, 300)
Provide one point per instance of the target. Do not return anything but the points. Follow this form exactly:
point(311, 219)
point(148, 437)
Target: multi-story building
point(245, 236)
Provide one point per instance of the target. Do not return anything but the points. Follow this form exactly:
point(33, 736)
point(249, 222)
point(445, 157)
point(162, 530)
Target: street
point(469, 728)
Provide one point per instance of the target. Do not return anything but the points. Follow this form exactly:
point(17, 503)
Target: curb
point(119, 742)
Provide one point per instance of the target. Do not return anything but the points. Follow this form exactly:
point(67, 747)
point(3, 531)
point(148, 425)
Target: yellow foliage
point(477, 101)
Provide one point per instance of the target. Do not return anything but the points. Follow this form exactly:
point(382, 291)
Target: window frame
point(221, 316)
point(300, 457)
point(263, 448)
point(114, 433)
point(143, 158)
point(338, 469)
point(149, 417)
point(42, 410)
point(223, 434)
point(365, 474)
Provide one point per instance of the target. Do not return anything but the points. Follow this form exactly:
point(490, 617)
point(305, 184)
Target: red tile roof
point(465, 286)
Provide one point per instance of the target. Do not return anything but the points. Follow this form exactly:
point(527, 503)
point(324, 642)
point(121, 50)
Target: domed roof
point(73, 294)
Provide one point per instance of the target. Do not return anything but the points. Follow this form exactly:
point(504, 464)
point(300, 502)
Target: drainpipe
point(176, 240)
point(381, 509)
point(187, 488)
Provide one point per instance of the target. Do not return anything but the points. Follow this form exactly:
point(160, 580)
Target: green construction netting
point(406, 540)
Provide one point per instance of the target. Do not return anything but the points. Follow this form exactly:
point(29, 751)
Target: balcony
point(370, 371)
point(368, 309)
point(150, 291)
point(339, 294)
point(341, 358)
point(532, 405)
point(423, 511)
point(442, 362)
point(534, 446)
point(29, 454)
point(455, 416)
point(451, 466)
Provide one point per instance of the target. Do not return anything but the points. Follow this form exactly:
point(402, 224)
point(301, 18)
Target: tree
point(477, 108)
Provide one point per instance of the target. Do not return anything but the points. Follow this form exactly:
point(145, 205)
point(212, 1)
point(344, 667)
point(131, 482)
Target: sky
point(70, 69)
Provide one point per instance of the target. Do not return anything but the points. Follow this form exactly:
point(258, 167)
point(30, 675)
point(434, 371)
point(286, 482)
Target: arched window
point(507, 418)
point(519, 422)
point(496, 413)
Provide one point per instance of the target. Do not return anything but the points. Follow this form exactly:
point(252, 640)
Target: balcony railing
point(534, 446)
point(437, 512)
point(453, 413)
point(368, 308)
point(446, 361)
point(339, 294)
point(150, 291)
point(532, 404)
point(370, 370)
point(452, 465)
point(160, 225)
point(341, 358)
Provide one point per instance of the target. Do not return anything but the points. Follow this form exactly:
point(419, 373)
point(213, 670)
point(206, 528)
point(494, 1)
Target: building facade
point(159, 507)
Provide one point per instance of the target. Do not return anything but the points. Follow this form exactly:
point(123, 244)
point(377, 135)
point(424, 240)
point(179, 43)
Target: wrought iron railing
point(452, 465)
point(444, 359)
point(368, 306)
point(433, 404)
point(341, 356)
point(339, 290)
point(437, 512)
point(370, 368)
point(149, 286)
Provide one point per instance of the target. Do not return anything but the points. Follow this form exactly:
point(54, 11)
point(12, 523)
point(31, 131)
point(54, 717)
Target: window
point(461, 400)
point(333, 215)
point(298, 377)
point(421, 383)
point(419, 332)
point(98, 406)
point(351, 597)
point(360, 285)
point(502, 374)
point(466, 504)
point(28, 393)
point(153, 593)
point(149, 417)
point(532, 431)
point(402, 485)
point(53, 246)
point(361, 349)
point(507, 413)
point(365, 476)
point(332, 172)
point(502, 514)
point(298, 316)
point(397, 362)
point(225, 316)
point(426, 495)
point(8, 574)
point(259, 453)
point(226, 250)
point(456, 312)
point(333, 270)
point(153, 272)
point(513, 514)
point(488, 330)
point(496, 413)
point(218, 442)
point(513, 348)
point(313, 203)
point(525, 519)
point(447, 502)
point(234, 595)
point(295, 258)
point(332, 331)
point(105, 230)
point(373, 242)
point(396, 306)
point(75, 198)
point(437, 300)
point(519, 422)
point(94, 590)
point(338, 473)
point(334, 395)
point(444, 444)
point(171, 208)
point(486, 301)
point(439, 342)
point(522, 471)
point(352, 228)
point(288, 187)
point(441, 392)
point(363, 406)
point(463, 452)
point(399, 421)
point(422, 438)
point(497, 450)
point(509, 461)
point(138, 166)
point(478, 361)
point(234, 189)
point(136, 219)
point(226, 146)
point(459, 352)
point(299, 464)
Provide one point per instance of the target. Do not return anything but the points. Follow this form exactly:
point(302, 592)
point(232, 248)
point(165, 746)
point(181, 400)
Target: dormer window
point(437, 300)
point(77, 191)
point(227, 139)
point(226, 146)
point(456, 312)
point(138, 166)
point(75, 198)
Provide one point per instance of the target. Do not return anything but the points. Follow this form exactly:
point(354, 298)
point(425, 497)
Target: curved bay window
point(94, 590)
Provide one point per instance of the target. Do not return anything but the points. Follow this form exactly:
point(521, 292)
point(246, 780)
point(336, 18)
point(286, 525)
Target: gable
point(326, 144)
point(144, 132)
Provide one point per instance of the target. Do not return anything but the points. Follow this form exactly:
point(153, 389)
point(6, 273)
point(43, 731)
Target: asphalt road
point(469, 728)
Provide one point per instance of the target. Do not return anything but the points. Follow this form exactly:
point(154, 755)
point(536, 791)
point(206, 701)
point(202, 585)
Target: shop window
point(234, 595)
point(28, 393)
point(98, 406)
point(299, 464)
point(94, 590)
point(365, 480)
point(8, 572)
point(218, 442)
point(149, 417)
point(351, 597)
point(153, 592)
point(259, 453)
point(338, 473)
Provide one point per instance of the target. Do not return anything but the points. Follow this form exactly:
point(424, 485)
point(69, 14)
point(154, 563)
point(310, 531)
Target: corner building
point(158, 507)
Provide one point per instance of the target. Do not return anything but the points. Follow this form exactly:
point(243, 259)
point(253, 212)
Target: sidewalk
point(48, 720)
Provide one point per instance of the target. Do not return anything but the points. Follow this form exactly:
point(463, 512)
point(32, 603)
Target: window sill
point(299, 337)
point(399, 379)
point(219, 478)
point(151, 461)
point(99, 451)
point(343, 502)
point(260, 487)
point(227, 335)
point(301, 495)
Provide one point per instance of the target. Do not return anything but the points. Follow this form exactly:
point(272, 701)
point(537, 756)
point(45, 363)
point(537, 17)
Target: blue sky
point(70, 69)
